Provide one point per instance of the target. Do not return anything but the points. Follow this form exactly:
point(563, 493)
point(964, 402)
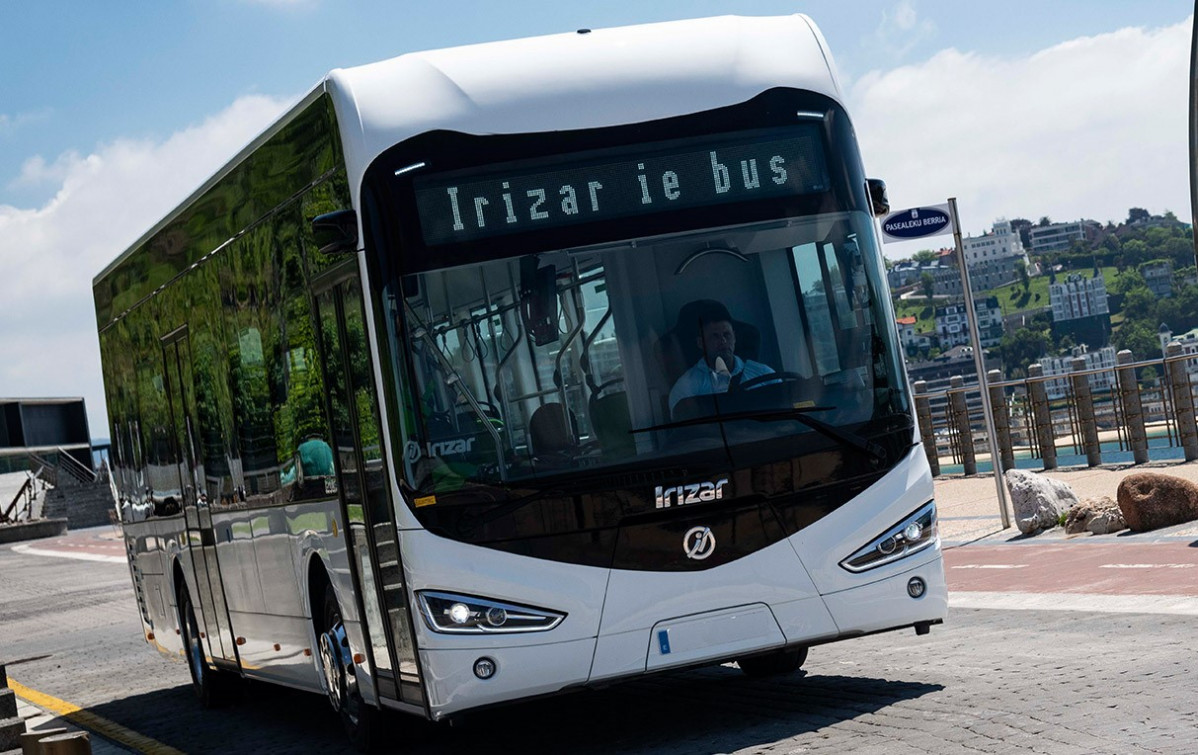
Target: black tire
point(213, 688)
point(776, 663)
point(359, 720)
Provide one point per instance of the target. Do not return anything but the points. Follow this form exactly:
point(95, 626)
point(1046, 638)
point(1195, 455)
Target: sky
point(112, 113)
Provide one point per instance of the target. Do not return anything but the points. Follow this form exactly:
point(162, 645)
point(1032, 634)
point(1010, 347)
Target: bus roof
point(583, 79)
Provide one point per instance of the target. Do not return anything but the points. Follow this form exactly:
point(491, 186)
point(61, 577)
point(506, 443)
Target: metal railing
point(63, 468)
point(1085, 416)
point(16, 511)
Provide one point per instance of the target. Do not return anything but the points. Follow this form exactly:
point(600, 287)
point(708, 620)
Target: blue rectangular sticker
point(663, 639)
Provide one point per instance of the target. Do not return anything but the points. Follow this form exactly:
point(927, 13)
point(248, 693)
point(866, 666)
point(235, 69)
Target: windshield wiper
point(798, 414)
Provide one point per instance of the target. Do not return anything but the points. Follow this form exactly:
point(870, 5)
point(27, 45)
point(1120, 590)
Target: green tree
point(1126, 282)
point(925, 255)
point(1135, 251)
point(1021, 271)
point(1138, 338)
point(1136, 214)
point(1021, 348)
point(928, 284)
point(1140, 304)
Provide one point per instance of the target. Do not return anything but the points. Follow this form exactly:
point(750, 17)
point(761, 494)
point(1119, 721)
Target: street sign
point(916, 223)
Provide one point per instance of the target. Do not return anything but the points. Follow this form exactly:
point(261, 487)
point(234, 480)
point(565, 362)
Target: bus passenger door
point(214, 622)
point(357, 433)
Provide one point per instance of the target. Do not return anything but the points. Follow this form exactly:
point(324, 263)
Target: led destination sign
point(473, 207)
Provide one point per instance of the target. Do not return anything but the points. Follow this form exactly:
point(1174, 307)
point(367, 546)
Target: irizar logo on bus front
point(681, 495)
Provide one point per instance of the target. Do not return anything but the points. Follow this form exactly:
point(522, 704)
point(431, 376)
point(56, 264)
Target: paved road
point(996, 681)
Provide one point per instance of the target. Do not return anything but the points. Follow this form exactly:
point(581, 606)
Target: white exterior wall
point(1103, 359)
point(1001, 242)
point(1078, 297)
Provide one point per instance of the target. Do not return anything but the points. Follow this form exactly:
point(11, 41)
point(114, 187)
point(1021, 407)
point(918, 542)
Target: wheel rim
point(334, 673)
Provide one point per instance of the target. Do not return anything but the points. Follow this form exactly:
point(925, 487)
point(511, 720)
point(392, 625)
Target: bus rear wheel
point(213, 687)
point(336, 661)
point(776, 663)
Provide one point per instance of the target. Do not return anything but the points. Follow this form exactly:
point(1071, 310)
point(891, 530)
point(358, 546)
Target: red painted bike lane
point(97, 544)
point(1159, 568)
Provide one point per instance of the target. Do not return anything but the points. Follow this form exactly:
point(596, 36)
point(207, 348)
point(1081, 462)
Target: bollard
point(1002, 420)
point(960, 415)
point(1133, 408)
point(1085, 412)
point(1183, 401)
point(30, 740)
point(923, 414)
point(70, 743)
point(1042, 416)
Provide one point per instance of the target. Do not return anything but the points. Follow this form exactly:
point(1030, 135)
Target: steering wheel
point(781, 377)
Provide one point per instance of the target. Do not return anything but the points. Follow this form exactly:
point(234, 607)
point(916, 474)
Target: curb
point(35, 530)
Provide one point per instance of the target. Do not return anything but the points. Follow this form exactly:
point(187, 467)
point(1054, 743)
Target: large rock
point(1038, 500)
point(1150, 500)
point(1098, 516)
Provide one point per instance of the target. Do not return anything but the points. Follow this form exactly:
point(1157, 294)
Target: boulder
point(1150, 500)
point(1098, 516)
point(1037, 500)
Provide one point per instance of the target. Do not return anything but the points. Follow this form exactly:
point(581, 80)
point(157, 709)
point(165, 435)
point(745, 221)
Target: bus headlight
point(447, 612)
point(911, 535)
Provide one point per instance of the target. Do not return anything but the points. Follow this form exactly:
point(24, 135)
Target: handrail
point(74, 467)
point(46, 470)
point(26, 490)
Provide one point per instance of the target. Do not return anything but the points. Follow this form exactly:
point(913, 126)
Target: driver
point(718, 369)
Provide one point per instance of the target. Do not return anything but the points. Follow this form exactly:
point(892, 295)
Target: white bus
point(505, 370)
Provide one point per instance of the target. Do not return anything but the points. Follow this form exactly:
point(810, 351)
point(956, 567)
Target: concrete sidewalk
point(968, 506)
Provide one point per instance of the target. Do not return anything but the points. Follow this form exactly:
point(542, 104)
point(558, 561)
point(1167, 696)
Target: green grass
point(1012, 299)
point(922, 311)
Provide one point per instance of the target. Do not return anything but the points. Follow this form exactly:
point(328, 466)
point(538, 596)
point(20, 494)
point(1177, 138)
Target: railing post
point(1042, 416)
point(960, 413)
point(1183, 401)
point(1085, 412)
point(1133, 408)
point(1002, 420)
point(923, 413)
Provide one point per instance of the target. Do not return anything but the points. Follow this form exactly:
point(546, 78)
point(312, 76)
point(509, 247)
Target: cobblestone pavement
point(987, 681)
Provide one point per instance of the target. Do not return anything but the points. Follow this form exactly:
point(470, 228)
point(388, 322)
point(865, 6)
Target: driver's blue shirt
point(700, 380)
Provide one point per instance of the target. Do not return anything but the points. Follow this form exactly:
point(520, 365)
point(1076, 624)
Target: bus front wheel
point(778, 662)
point(341, 682)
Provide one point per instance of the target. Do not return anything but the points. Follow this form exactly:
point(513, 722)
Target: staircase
point(79, 495)
point(12, 726)
point(83, 505)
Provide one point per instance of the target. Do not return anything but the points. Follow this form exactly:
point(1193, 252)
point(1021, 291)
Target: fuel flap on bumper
point(715, 634)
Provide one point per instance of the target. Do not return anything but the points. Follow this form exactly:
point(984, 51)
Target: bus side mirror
point(877, 196)
point(336, 232)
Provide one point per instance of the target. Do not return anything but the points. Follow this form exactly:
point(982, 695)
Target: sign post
point(919, 222)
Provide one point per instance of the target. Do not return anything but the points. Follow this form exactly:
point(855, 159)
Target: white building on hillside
point(1001, 242)
point(1059, 237)
point(1078, 297)
point(1100, 359)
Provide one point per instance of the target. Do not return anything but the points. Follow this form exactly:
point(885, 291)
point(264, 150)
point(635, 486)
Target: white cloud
point(10, 123)
point(901, 29)
point(1087, 128)
point(104, 201)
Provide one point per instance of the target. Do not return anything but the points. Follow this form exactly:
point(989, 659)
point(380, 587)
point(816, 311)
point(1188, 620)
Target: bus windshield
point(735, 345)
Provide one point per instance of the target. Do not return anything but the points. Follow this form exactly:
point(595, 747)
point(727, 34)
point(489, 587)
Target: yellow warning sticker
point(427, 500)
